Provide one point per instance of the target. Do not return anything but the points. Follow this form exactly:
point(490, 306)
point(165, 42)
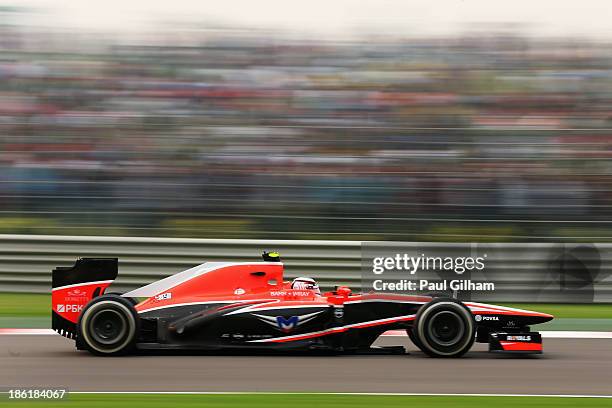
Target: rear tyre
point(444, 327)
point(108, 325)
point(134, 301)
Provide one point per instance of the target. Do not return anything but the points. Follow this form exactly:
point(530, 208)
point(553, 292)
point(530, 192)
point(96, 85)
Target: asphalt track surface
point(568, 366)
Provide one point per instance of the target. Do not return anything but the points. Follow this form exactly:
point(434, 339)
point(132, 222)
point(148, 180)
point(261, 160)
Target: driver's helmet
point(305, 283)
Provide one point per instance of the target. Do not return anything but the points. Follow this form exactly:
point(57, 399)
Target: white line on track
point(28, 332)
point(408, 394)
point(545, 334)
point(390, 333)
point(576, 335)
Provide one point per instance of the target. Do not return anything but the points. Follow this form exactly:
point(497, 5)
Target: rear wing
point(74, 286)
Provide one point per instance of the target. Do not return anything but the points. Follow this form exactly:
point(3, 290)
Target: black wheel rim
point(108, 326)
point(446, 328)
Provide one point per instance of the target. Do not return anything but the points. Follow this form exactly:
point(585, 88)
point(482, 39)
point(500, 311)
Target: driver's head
point(305, 283)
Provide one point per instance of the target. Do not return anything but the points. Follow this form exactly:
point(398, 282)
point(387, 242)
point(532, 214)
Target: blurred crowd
point(248, 134)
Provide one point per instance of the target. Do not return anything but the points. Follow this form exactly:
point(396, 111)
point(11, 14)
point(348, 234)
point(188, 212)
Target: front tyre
point(108, 325)
point(413, 338)
point(444, 327)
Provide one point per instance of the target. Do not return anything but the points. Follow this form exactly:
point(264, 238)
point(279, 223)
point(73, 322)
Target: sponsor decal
point(77, 295)
point(518, 338)
point(239, 291)
point(338, 312)
point(480, 318)
point(259, 336)
point(164, 296)
point(69, 308)
point(240, 336)
point(287, 324)
point(296, 293)
point(76, 292)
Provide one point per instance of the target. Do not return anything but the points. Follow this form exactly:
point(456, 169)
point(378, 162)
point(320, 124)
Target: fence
point(524, 272)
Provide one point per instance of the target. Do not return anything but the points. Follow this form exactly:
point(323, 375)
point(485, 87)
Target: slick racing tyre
point(444, 328)
point(108, 325)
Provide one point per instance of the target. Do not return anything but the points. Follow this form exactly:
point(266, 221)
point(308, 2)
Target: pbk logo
point(69, 308)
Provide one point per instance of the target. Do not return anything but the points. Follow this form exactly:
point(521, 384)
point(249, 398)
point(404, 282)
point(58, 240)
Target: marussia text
point(424, 284)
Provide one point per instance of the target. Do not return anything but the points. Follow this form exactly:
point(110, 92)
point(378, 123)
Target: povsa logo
point(480, 318)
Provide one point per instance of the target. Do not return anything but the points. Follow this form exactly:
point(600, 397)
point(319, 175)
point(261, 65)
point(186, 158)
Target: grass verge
point(568, 310)
point(308, 401)
point(25, 304)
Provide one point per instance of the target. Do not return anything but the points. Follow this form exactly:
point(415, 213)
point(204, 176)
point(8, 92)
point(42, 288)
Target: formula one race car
point(248, 305)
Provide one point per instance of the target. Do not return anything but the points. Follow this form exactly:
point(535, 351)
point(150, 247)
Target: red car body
point(249, 305)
